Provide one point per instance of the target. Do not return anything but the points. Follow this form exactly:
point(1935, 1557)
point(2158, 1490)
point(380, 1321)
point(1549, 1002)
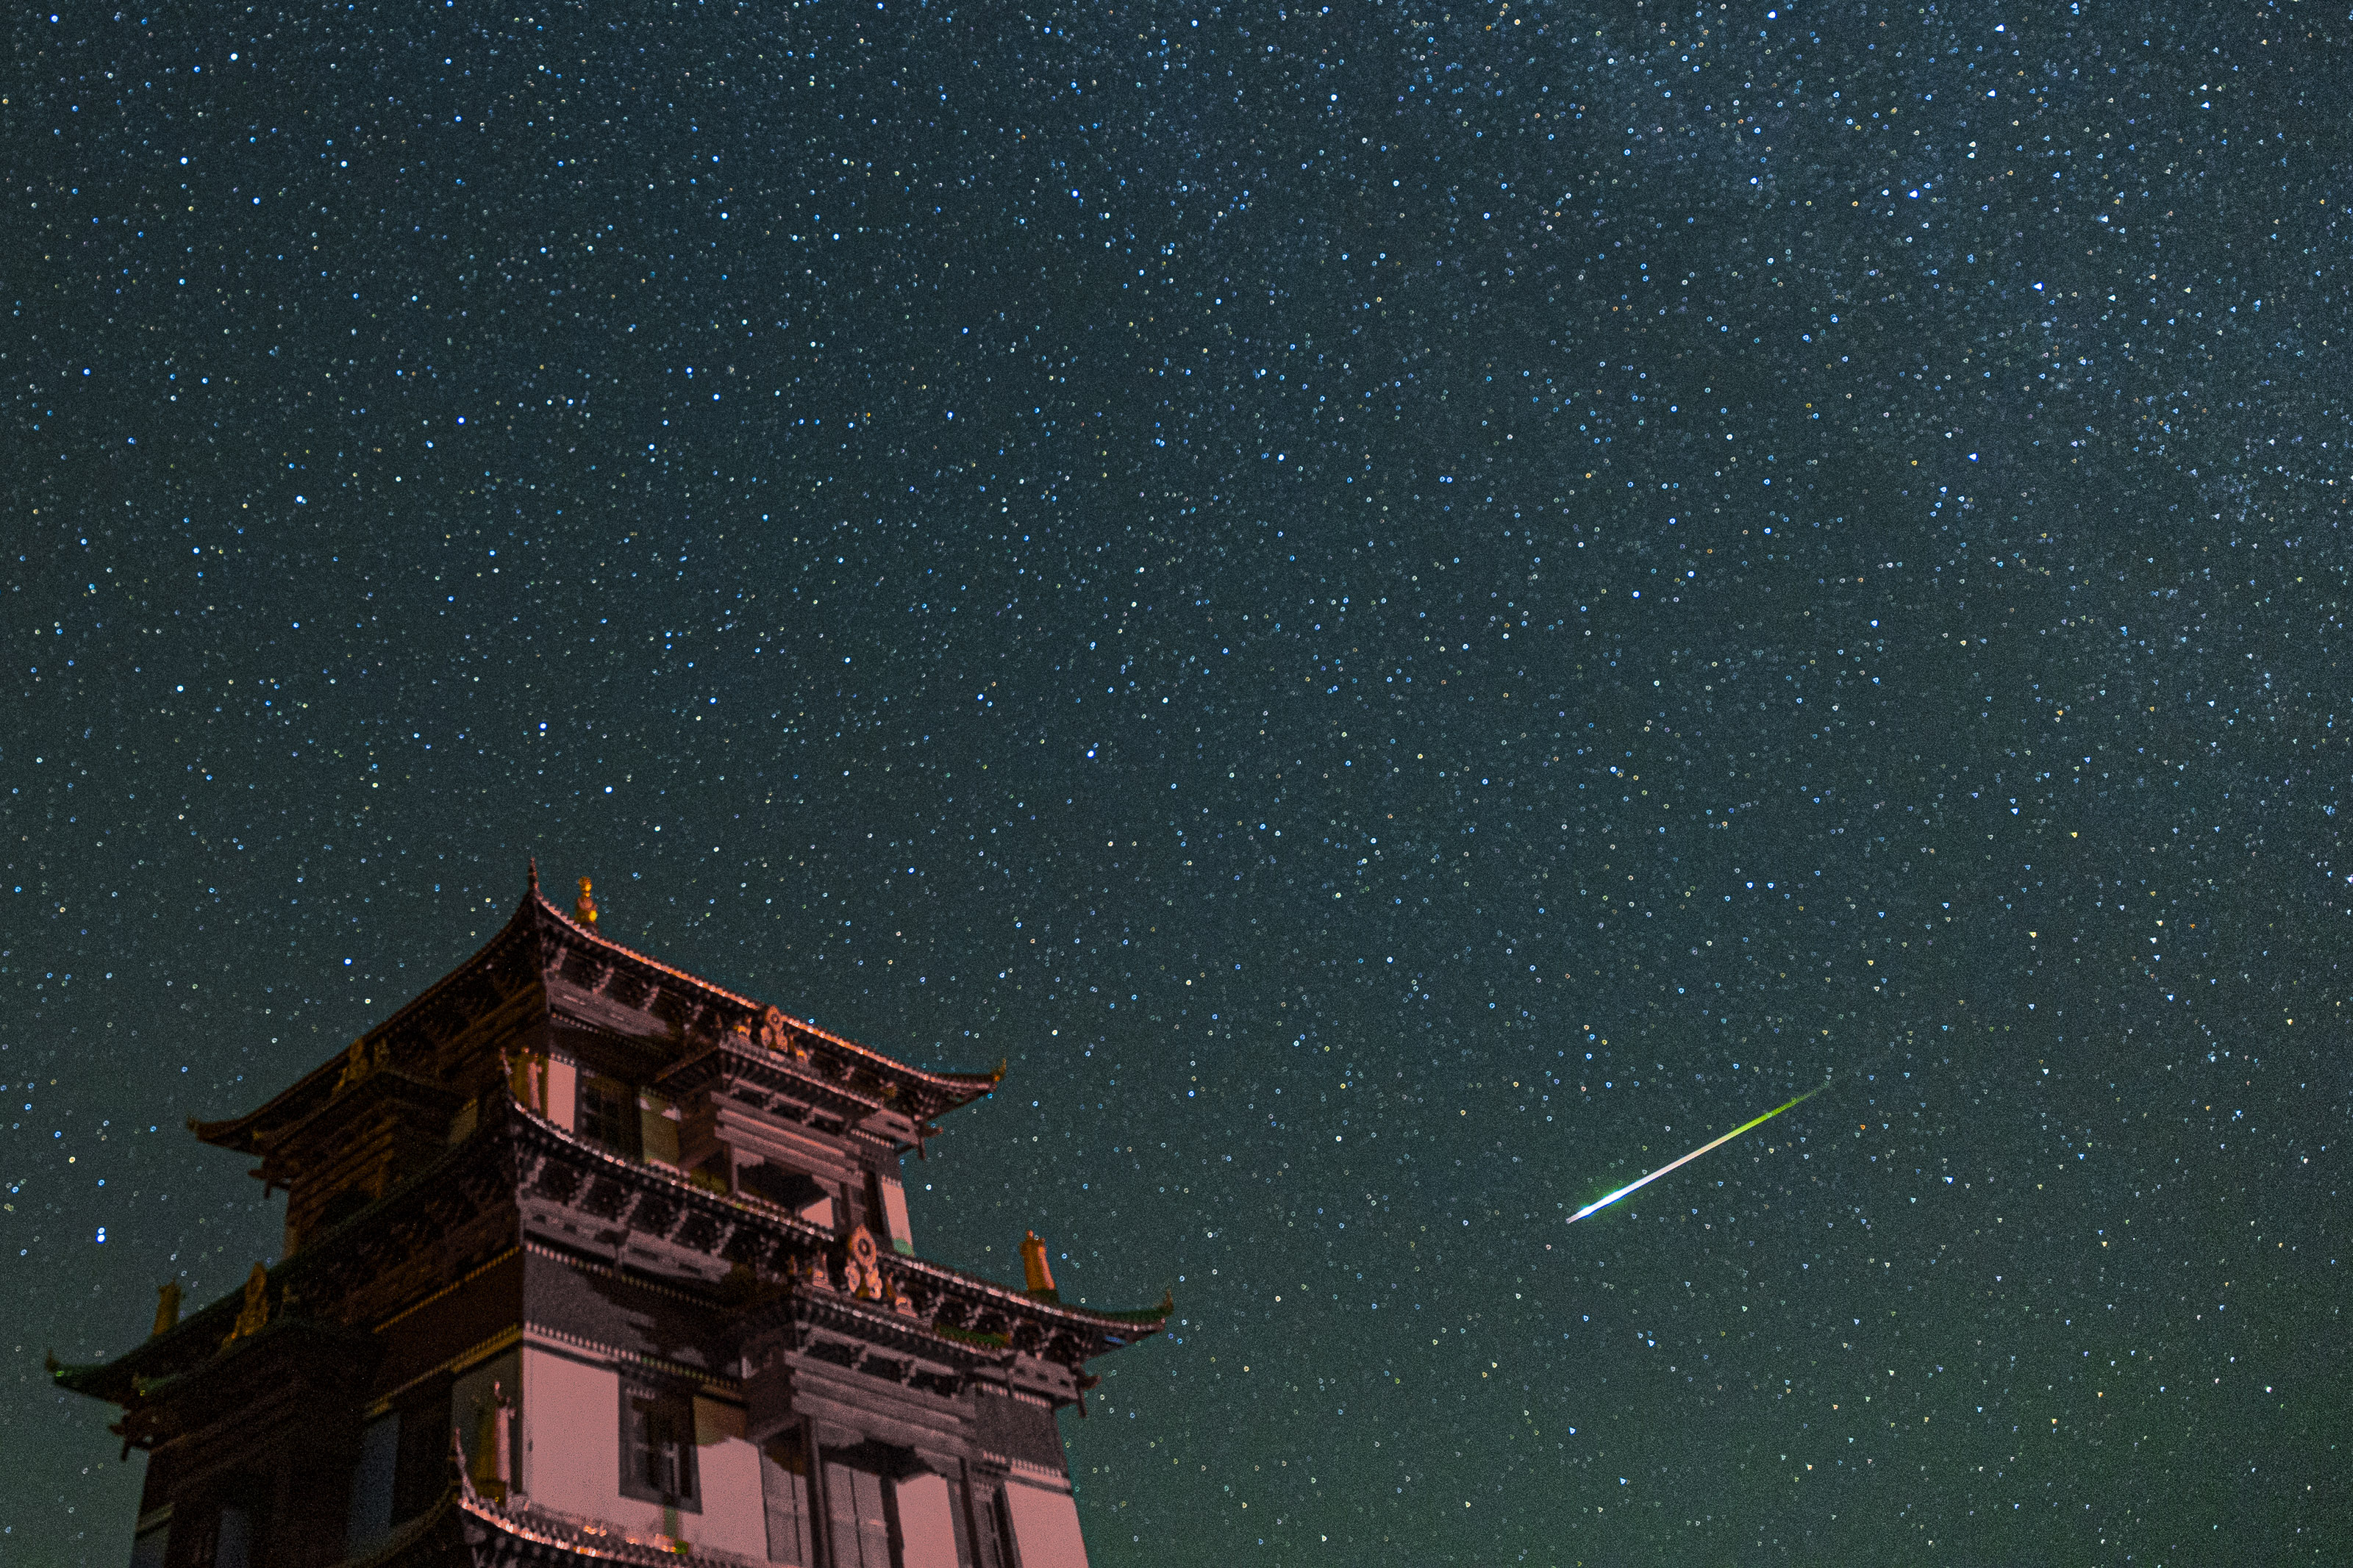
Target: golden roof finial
point(585, 909)
point(534, 874)
point(1040, 1279)
point(167, 1308)
point(253, 1314)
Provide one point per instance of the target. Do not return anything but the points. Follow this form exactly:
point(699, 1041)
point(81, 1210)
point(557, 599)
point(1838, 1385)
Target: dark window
point(233, 1540)
point(1001, 1520)
point(608, 1115)
point(343, 1207)
point(793, 1190)
point(423, 1469)
point(657, 1447)
point(233, 1530)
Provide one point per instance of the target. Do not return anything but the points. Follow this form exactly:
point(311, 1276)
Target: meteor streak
point(1613, 1197)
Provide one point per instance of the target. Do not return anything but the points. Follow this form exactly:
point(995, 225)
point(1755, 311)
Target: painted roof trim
point(294, 1102)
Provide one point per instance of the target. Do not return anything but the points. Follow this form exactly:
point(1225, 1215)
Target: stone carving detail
point(253, 1315)
point(810, 1273)
point(861, 1268)
point(777, 1036)
point(363, 1062)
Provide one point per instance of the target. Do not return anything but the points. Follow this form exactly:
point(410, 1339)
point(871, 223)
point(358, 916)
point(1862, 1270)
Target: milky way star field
point(1409, 611)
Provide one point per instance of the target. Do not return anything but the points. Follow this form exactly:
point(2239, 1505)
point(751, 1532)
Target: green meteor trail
point(1605, 1203)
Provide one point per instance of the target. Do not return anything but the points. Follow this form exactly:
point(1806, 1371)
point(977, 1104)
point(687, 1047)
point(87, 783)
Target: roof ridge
point(1131, 1317)
point(228, 1126)
point(758, 1007)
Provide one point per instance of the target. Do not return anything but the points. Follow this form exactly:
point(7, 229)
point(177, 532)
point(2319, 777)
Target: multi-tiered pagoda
point(590, 1260)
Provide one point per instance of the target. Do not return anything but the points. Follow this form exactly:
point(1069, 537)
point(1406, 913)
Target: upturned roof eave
point(245, 1132)
point(191, 1347)
point(1020, 1303)
point(1147, 1319)
point(197, 1337)
point(969, 1085)
point(294, 1102)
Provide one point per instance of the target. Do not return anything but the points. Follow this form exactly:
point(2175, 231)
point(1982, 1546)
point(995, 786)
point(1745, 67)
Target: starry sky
point(1411, 609)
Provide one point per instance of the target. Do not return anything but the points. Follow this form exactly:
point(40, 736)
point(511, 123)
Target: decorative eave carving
point(428, 1103)
point(713, 1014)
point(625, 1195)
point(423, 1018)
point(796, 1087)
point(471, 1527)
point(418, 1216)
point(536, 940)
point(292, 1358)
point(809, 1317)
point(523, 1534)
point(515, 1155)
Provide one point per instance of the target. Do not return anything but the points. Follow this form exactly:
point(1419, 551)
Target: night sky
point(1412, 611)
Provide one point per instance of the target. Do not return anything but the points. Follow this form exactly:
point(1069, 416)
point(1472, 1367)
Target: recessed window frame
point(606, 1114)
point(658, 1463)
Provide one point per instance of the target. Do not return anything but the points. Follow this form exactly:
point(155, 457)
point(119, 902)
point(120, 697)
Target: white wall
point(894, 1214)
point(562, 1091)
point(727, 1465)
point(927, 1521)
point(572, 1436)
point(572, 1457)
point(1045, 1525)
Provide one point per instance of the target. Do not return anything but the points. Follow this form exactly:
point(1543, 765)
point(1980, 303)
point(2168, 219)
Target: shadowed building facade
point(589, 1260)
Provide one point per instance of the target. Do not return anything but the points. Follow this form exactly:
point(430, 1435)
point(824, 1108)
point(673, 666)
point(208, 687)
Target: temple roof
point(464, 1527)
point(478, 1169)
point(1091, 1330)
point(535, 943)
point(470, 1528)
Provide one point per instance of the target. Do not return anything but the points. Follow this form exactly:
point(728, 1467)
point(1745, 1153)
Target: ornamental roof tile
point(934, 1093)
point(315, 1273)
